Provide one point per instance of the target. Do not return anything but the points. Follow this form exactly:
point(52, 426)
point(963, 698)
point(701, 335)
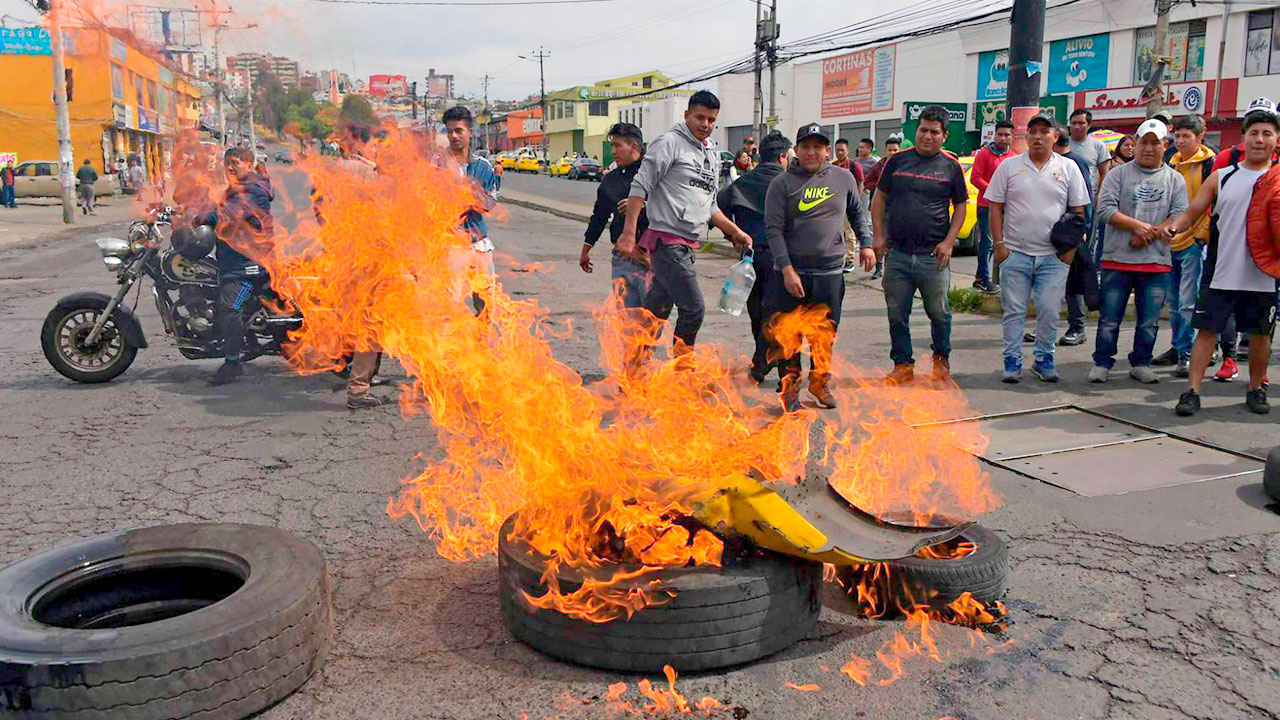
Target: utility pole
point(65, 159)
point(1026, 48)
point(1154, 89)
point(774, 31)
point(542, 84)
point(253, 141)
point(488, 118)
point(217, 83)
point(413, 98)
point(758, 104)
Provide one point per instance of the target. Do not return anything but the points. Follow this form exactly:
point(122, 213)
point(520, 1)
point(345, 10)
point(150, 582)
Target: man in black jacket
point(611, 210)
point(743, 202)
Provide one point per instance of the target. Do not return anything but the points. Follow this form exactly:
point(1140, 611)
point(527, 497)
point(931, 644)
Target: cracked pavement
point(1160, 605)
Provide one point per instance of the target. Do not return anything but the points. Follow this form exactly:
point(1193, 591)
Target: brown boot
point(901, 375)
point(941, 368)
point(820, 389)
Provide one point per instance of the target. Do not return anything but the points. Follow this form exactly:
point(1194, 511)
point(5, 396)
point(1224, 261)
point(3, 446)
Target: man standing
point(915, 193)
point(8, 183)
point(1094, 153)
point(892, 147)
point(1027, 195)
point(1077, 313)
point(676, 185)
point(1136, 199)
point(805, 214)
point(86, 176)
point(1234, 283)
point(1194, 162)
point(749, 144)
point(611, 210)
point(985, 162)
point(744, 203)
point(867, 157)
point(484, 183)
point(843, 160)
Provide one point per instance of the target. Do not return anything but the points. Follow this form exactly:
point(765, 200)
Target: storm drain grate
point(1093, 454)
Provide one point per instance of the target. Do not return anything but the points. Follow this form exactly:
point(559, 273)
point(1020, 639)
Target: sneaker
point(1266, 382)
point(1166, 358)
point(820, 389)
point(1229, 370)
point(1256, 400)
point(877, 274)
point(850, 266)
point(1184, 368)
point(229, 372)
point(901, 374)
point(367, 401)
point(1217, 356)
point(756, 376)
point(1012, 371)
point(1029, 337)
point(1073, 338)
point(1188, 404)
point(791, 401)
point(1045, 371)
point(1099, 374)
point(1144, 374)
point(941, 368)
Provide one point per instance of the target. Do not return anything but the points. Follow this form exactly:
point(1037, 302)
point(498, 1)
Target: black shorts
point(1255, 312)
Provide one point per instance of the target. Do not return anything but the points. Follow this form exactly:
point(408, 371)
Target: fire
point(661, 701)
point(599, 479)
point(807, 687)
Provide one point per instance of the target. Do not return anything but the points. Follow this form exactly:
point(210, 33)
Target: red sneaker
point(1228, 372)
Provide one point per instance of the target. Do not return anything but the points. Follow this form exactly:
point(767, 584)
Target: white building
point(1096, 56)
point(655, 116)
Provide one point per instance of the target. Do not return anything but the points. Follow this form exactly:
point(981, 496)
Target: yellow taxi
point(561, 167)
point(527, 162)
point(968, 239)
point(508, 160)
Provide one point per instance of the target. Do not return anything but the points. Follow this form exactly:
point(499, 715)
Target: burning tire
point(718, 617)
point(179, 621)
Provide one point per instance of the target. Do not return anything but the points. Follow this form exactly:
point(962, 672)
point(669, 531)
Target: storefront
point(1123, 109)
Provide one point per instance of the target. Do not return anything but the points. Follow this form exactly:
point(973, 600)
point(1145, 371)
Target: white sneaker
point(1144, 374)
point(1098, 374)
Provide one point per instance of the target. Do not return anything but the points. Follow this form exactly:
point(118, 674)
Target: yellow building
point(123, 100)
point(579, 118)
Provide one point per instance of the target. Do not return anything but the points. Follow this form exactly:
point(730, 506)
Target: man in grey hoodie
point(676, 187)
point(1134, 200)
point(804, 215)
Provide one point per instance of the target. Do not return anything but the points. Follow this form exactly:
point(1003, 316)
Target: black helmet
point(193, 243)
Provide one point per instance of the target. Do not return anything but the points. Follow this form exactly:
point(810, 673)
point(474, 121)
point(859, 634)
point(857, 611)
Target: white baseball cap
point(1262, 105)
point(1154, 126)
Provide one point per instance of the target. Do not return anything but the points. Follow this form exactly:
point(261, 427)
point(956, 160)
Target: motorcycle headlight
point(113, 263)
point(112, 248)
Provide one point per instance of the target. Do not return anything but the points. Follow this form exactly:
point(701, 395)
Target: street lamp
point(540, 55)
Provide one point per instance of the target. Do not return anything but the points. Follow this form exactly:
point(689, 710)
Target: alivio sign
point(1183, 98)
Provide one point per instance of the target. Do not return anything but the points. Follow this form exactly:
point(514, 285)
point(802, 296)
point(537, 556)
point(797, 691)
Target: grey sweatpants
point(672, 282)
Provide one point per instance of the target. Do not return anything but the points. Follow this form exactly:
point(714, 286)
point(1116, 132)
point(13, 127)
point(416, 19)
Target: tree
point(357, 113)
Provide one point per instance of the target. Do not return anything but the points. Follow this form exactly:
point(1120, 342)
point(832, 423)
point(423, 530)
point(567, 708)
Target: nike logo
point(813, 197)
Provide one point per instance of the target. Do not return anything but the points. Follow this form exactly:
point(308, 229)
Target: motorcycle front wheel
point(63, 340)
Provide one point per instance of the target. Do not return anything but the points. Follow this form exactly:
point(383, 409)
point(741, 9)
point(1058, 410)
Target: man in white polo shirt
point(1028, 194)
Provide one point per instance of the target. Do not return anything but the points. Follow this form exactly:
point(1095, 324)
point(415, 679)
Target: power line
point(454, 3)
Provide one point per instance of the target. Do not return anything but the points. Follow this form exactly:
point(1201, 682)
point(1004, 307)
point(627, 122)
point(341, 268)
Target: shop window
point(151, 94)
point(1185, 48)
point(1262, 45)
point(117, 82)
point(598, 108)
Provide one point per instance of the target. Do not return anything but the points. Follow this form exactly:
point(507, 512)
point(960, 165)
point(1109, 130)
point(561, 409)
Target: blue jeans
point(1149, 291)
point(6, 195)
point(1185, 280)
point(984, 245)
point(904, 274)
point(632, 274)
point(1021, 277)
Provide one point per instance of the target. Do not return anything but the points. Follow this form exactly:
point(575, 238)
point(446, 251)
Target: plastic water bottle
point(736, 289)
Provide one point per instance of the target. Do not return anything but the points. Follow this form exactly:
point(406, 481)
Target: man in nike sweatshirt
point(676, 187)
point(804, 214)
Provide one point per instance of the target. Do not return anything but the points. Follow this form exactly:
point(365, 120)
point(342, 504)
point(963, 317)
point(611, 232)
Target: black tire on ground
point(719, 616)
point(1271, 474)
point(206, 621)
point(982, 573)
point(116, 339)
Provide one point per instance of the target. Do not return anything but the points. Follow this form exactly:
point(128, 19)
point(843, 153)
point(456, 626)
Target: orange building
point(123, 100)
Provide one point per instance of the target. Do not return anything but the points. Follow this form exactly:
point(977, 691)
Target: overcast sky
point(588, 42)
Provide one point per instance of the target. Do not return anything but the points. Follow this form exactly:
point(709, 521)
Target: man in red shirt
point(985, 162)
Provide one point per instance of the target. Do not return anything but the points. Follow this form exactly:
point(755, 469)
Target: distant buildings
point(284, 68)
point(578, 118)
point(388, 86)
point(439, 86)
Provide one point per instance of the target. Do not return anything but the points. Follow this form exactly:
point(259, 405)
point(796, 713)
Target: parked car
point(39, 178)
point(586, 169)
point(284, 156)
point(508, 160)
point(528, 162)
point(562, 166)
point(967, 240)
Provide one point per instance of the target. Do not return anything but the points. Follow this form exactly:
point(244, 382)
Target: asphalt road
point(581, 192)
point(1158, 605)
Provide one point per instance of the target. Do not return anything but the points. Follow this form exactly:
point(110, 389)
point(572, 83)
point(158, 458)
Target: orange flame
point(660, 701)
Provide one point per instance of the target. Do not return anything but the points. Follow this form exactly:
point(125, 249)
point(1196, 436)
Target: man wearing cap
point(1135, 200)
point(805, 213)
point(1027, 195)
point(1243, 264)
point(917, 190)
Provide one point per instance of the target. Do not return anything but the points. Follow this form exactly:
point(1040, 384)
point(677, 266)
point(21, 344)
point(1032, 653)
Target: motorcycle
point(91, 337)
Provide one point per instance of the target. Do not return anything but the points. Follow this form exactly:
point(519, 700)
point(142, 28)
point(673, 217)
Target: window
point(1262, 45)
point(648, 81)
point(1185, 47)
point(151, 94)
point(598, 108)
point(117, 82)
point(45, 169)
point(25, 170)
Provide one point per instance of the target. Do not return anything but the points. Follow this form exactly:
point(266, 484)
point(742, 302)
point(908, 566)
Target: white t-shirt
point(1235, 268)
point(1034, 199)
point(1094, 152)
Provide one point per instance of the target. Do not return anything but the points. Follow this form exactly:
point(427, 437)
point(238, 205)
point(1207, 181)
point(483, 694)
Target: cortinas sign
point(858, 83)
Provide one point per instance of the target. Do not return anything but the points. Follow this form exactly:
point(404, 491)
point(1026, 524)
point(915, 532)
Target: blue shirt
point(485, 182)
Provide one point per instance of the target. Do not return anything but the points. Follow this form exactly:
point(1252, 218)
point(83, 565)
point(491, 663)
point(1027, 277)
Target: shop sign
point(148, 121)
point(120, 114)
point(1183, 98)
point(958, 121)
point(37, 41)
point(858, 83)
point(1079, 63)
point(166, 125)
point(993, 74)
point(993, 111)
point(8, 157)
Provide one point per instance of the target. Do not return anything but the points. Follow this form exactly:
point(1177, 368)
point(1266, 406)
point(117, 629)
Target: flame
point(601, 480)
point(661, 701)
point(808, 687)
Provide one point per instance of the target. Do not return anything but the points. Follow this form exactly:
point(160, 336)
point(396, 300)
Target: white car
point(39, 178)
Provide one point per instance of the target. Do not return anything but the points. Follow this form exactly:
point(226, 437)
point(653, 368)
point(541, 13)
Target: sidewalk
point(37, 220)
